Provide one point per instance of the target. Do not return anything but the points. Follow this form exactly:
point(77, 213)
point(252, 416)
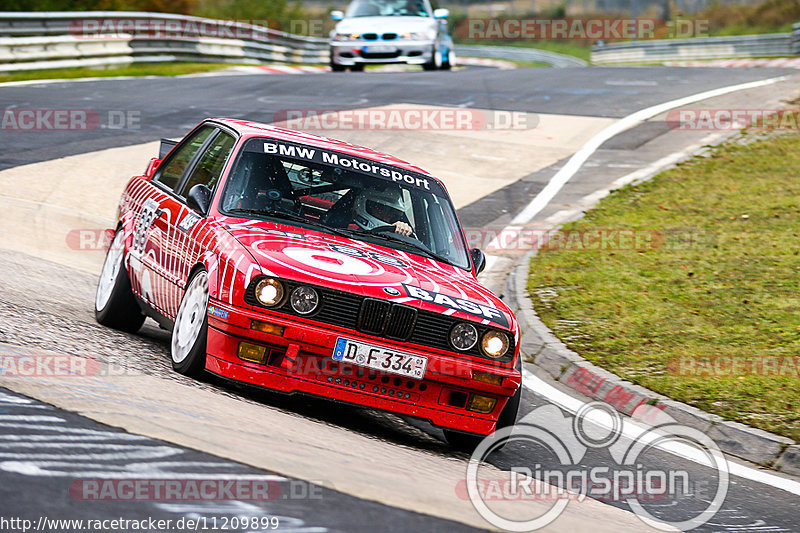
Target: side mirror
point(199, 198)
point(337, 15)
point(152, 166)
point(441, 13)
point(478, 260)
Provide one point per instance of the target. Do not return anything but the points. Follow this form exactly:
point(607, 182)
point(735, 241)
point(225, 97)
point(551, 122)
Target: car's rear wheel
point(114, 303)
point(358, 67)
point(188, 346)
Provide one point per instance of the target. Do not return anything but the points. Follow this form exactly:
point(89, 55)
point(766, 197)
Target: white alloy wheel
point(191, 317)
point(111, 269)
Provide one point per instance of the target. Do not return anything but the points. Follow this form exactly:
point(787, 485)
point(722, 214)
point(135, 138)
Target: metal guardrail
point(72, 39)
point(796, 38)
point(767, 45)
point(520, 54)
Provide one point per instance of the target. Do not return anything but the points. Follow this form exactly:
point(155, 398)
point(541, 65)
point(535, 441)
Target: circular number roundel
point(331, 261)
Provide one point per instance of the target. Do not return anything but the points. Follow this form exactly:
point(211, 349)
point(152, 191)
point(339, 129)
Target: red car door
point(155, 242)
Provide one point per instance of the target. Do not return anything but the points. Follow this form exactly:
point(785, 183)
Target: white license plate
point(379, 49)
point(377, 358)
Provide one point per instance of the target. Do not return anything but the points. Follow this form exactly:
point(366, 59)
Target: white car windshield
point(388, 8)
point(342, 194)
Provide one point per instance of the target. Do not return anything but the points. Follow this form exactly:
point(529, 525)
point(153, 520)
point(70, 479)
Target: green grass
point(570, 48)
point(725, 282)
point(137, 69)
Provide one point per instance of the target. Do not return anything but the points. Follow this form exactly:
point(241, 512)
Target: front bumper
point(348, 53)
point(300, 360)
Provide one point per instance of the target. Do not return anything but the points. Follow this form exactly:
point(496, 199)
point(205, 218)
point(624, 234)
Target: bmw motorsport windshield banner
point(334, 159)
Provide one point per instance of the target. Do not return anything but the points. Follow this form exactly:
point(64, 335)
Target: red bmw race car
point(308, 265)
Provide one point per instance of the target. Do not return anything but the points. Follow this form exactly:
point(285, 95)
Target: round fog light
point(269, 292)
point(304, 300)
point(463, 336)
point(494, 343)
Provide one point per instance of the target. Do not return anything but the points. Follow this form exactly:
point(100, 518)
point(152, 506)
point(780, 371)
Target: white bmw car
point(391, 31)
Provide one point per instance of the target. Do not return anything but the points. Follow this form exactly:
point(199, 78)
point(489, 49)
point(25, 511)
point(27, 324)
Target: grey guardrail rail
point(767, 45)
point(93, 38)
point(520, 54)
point(796, 38)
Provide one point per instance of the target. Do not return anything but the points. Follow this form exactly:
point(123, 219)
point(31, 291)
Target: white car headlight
point(269, 292)
point(495, 343)
point(419, 35)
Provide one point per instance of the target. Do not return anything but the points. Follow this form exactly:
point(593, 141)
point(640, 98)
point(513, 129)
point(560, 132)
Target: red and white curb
point(781, 62)
point(284, 69)
point(280, 69)
point(485, 62)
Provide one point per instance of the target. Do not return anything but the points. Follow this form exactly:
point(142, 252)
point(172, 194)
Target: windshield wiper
point(291, 216)
point(393, 238)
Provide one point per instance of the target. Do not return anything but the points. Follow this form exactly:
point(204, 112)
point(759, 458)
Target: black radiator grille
point(401, 322)
point(373, 316)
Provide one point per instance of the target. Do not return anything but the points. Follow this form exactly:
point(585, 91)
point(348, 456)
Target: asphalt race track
point(86, 431)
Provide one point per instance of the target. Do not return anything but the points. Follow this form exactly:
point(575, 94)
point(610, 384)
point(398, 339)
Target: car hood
point(385, 24)
point(371, 270)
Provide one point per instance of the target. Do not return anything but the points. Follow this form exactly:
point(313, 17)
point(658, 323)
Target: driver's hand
point(402, 228)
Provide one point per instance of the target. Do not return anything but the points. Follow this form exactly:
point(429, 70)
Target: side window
point(211, 163)
point(171, 173)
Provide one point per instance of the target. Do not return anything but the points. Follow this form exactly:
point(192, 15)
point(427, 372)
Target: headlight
point(494, 343)
point(269, 292)
point(419, 35)
point(463, 336)
point(304, 300)
point(346, 36)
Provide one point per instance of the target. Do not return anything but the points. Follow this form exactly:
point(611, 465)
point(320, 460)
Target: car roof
point(249, 129)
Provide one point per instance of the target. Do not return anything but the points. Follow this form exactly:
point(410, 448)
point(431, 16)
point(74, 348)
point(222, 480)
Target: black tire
point(431, 65)
point(188, 350)
point(120, 309)
point(337, 68)
point(358, 67)
point(446, 63)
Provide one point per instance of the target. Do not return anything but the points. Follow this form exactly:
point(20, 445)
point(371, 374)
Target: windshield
point(388, 8)
point(351, 196)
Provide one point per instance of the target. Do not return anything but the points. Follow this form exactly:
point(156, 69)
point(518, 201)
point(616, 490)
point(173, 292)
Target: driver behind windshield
point(379, 206)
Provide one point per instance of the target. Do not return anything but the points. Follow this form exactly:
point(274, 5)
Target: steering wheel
point(393, 229)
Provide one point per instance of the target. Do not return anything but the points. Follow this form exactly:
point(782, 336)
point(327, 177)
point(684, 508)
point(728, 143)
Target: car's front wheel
point(114, 303)
point(188, 346)
point(449, 60)
point(436, 60)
